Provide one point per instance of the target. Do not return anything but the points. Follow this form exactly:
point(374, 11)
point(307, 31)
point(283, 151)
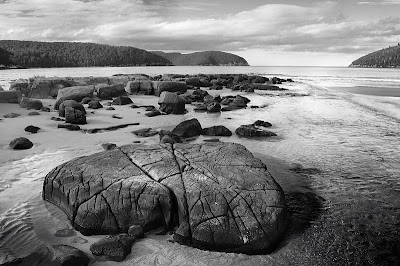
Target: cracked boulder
point(218, 195)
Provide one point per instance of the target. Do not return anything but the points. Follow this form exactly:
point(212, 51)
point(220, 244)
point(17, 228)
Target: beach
point(335, 156)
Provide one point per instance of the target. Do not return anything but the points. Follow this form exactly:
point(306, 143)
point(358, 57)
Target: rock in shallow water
point(21, 144)
point(220, 196)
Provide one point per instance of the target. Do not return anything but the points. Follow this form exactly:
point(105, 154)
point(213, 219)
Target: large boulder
point(72, 104)
point(10, 96)
point(76, 93)
point(20, 85)
point(171, 86)
point(28, 103)
point(74, 116)
point(43, 88)
point(218, 194)
point(105, 91)
point(140, 86)
point(171, 103)
point(56, 255)
point(188, 128)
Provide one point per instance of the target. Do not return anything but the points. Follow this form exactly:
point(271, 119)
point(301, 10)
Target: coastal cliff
point(207, 58)
point(388, 57)
point(31, 54)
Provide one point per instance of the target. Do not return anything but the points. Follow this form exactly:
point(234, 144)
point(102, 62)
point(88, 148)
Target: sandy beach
point(324, 228)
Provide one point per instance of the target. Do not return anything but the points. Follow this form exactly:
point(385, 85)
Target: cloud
point(380, 3)
point(171, 25)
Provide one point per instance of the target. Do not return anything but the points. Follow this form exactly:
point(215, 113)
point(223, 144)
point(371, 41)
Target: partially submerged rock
point(21, 144)
point(250, 131)
point(188, 128)
point(32, 129)
point(216, 131)
point(122, 100)
point(219, 195)
point(11, 115)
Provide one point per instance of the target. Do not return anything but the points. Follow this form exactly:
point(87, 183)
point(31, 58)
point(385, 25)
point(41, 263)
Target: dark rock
point(171, 103)
point(76, 93)
point(71, 104)
point(110, 108)
point(213, 107)
point(266, 87)
point(57, 119)
point(11, 115)
point(211, 140)
point(208, 99)
point(134, 106)
point(145, 132)
point(42, 88)
point(95, 105)
point(216, 87)
point(144, 87)
point(45, 109)
point(168, 137)
point(29, 103)
point(108, 103)
point(249, 131)
point(108, 146)
point(21, 144)
point(74, 116)
point(153, 113)
point(199, 95)
point(10, 96)
point(171, 86)
point(122, 100)
point(238, 102)
point(261, 123)
point(86, 100)
point(188, 128)
point(70, 127)
point(136, 230)
point(33, 113)
point(20, 85)
point(193, 81)
point(149, 108)
point(112, 128)
point(32, 129)
point(117, 117)
point(223, 196)
point(259, 80)
point(114, 248)
point(216, 131)
point(56, 255)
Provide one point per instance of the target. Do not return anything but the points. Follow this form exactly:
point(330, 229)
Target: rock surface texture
point(219, 195)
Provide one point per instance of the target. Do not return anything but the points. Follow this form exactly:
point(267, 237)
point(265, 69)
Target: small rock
point(110, 108)
point(145, 132)
point(168, 137)
point(114, 248)
point(21, 144)
point(57, 119)
point(216, 131)
point(134, 106)
point(108, 103)
point(188, 128)
point(33, 113)
point(95, 105)
point(69, 127)
point(32, 129)
point(213, 107)
point(136, 141)
point(72, 104)
point(211, 140)
point(45, 109)
point(149, 108)
point(261, 123)
point(116, 116)
point(122, 100)
point(79, 240)
point(12, 115)
point(153, 113)
point(74, 116)
point(136, 231)
point(249, 131)
point(108, 146)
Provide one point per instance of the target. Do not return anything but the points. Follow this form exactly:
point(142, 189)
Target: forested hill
point(31, 54)
point(389, 57)
point(208, 58)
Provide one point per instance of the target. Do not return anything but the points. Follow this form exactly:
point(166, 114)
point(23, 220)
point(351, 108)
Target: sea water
point(340, 155)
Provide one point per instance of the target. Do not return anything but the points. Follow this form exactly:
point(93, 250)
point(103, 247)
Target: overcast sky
point(268, 32)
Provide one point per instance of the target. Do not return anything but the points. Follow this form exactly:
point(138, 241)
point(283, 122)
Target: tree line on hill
point(207, 58)
point(32, 54)
point(388, 57)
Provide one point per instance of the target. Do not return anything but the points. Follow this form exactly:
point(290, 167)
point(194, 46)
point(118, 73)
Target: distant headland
point(385, 58)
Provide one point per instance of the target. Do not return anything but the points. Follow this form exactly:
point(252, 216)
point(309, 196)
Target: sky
point(266, 33)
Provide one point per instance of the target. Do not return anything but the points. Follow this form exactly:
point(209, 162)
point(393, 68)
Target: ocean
point(337, 157)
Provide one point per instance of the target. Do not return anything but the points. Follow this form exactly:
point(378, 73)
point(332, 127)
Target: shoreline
point(312, 189)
